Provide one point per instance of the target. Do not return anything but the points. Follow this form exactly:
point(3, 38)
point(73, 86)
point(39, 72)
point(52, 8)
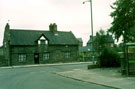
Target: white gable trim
point(42, 38)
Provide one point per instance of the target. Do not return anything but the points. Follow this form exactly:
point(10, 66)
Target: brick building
point(109, 42)
point(38, 47)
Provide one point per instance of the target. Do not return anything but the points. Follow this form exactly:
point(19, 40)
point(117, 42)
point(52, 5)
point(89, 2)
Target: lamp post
point(91, 20)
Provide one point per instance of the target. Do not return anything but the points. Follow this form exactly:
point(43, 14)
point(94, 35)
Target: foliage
point(118, 48)
point(101, 40)
point(109, 58)
point(123, 19)
point(90, 54)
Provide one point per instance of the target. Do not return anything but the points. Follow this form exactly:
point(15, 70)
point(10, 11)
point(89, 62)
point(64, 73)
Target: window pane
point(45, 56)
point(67, 55)
point(22, 57)
point(42, 41)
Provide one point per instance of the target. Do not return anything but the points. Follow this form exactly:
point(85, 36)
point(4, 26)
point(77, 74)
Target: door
point(36, 58)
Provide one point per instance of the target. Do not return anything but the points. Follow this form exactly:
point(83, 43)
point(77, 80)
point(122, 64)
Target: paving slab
point(103, 76)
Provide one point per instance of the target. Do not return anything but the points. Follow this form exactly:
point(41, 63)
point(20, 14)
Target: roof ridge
point(35, 30)
point(27, 30)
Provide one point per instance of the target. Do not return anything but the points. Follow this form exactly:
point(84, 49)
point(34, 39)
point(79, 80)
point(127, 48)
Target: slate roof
point(80, 40)
point(109, 41)
point(84, 48)
point(90, 40)
point(29, 37)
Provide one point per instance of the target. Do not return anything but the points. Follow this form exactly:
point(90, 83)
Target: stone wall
point(3, 61)
point(56, 53)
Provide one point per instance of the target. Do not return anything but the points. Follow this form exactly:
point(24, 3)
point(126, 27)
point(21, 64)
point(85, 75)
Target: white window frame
point(22, 58)
point(46, 56)
point(43, 40)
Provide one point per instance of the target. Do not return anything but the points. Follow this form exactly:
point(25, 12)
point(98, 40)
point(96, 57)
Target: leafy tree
point(123, 20)
point(100, 40)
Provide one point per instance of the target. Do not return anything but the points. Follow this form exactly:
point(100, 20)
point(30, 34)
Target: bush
point(109, 58)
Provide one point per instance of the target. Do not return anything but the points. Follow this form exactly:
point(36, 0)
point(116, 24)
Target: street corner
point(102, 76)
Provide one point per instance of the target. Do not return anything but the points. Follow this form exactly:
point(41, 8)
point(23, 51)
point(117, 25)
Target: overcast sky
point(69, 15)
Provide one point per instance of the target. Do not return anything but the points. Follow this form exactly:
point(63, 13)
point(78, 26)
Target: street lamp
point(91, 21)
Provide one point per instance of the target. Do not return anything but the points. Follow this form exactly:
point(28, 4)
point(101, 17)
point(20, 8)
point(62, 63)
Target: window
point(42, 41)
point(22, 57)
point(67, 55)
point(46, 56)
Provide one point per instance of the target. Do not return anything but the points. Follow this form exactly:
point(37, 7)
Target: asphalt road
point(43, 78)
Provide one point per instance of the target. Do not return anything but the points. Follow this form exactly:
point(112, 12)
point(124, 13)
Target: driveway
point(44, 77)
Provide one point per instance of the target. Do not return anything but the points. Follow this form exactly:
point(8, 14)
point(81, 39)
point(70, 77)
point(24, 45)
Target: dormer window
point(42, 40)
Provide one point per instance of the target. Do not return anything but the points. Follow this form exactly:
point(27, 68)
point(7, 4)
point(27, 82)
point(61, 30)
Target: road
point(44, 77)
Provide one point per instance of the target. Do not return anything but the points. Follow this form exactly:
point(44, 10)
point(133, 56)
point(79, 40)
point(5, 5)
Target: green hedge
point(109, 58)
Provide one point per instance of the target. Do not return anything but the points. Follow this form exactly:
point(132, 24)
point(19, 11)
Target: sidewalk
point(105, 76)
point(53, 64)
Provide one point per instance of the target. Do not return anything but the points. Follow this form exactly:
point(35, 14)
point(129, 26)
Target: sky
point(69, 15)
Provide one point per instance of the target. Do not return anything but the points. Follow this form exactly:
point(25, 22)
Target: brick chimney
point(53, 27)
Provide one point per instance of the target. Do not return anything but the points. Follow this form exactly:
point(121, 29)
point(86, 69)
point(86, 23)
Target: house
point(109, 42)
point(84, 52)
point(38, 47)
point(1, 56)
point(89, 43)
point(80, 41)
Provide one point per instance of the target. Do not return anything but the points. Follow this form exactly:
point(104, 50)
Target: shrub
point(109, 58)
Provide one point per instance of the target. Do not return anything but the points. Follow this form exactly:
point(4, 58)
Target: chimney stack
point(50, 27)
point(53, 27)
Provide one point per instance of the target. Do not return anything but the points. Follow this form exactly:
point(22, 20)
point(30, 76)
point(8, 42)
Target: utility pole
point(91, 12)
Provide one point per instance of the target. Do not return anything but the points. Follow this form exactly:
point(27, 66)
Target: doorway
point(36, 58)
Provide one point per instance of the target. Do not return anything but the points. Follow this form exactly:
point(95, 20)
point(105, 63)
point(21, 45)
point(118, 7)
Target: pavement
point(39, 65)
point(101, 76)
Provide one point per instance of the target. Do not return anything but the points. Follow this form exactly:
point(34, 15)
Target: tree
point(123, 20)
point(100, 40)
